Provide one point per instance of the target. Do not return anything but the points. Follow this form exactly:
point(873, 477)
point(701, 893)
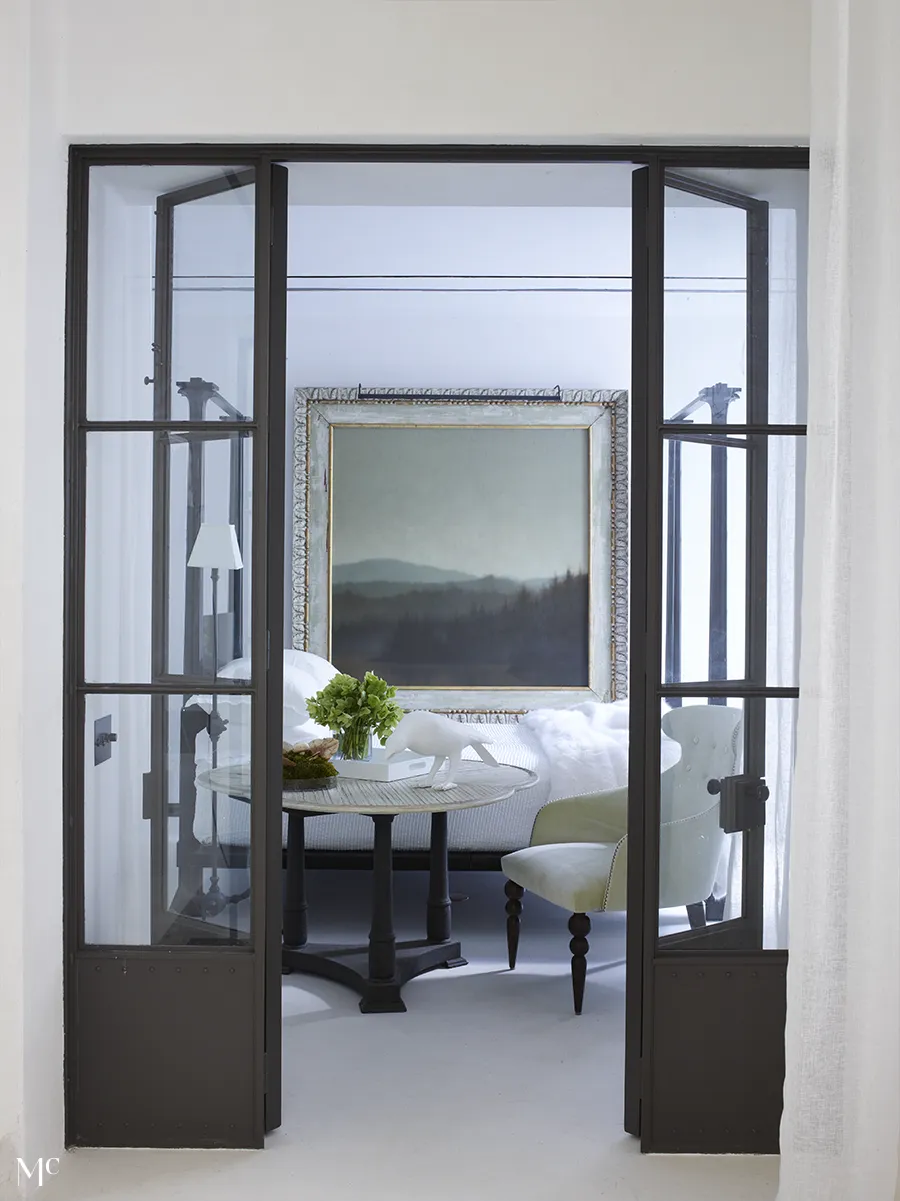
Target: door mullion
point(756, 606)
point(163, 303)
point(644, 266)
point(646, 626)
point(267, 632)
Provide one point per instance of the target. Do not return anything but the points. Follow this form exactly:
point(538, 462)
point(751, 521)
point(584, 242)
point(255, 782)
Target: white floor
point(487, 1087)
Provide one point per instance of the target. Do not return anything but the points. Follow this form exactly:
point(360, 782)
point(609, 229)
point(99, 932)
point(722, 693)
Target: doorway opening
point(427, 419)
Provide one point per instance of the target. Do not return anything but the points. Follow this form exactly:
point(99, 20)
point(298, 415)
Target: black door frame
point(716, 987)
point(269, 383)
point(120, 1000)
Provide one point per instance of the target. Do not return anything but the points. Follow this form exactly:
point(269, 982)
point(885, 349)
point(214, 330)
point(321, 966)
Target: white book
point(378, 767)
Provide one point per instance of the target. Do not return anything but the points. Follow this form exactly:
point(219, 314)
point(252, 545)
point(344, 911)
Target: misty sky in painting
point(502, 502)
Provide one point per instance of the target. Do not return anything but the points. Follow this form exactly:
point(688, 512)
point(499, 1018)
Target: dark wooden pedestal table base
point(377, 971)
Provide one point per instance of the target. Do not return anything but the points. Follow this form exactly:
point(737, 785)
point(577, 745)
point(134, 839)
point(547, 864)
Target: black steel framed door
point(717, 478)
point(175, 534)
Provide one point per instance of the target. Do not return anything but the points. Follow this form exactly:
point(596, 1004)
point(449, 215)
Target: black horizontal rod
point(456, 275)
point(463, 275)
point(562, 291)
point(209, 429)
point(216, 684)
point(457, 396)
point(729, 688)
point(674, 429)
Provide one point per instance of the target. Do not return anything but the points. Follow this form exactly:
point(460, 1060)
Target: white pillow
point(304, 675)
point(318, 670)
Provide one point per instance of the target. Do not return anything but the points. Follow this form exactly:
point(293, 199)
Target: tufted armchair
point(578, 854)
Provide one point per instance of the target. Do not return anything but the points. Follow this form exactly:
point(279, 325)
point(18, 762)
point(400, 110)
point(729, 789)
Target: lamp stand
point(214, 902)
point(216, 547)
point(215, 730)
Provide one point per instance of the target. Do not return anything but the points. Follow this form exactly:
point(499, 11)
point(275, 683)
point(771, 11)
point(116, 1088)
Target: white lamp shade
point(216, 546)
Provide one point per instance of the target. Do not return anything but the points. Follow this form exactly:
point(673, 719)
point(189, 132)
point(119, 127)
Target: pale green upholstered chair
point(578, 854)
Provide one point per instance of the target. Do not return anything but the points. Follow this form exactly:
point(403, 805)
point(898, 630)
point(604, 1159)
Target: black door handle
point(742, 802)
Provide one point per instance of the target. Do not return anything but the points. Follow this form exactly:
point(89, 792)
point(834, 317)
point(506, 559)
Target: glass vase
point(356, 742)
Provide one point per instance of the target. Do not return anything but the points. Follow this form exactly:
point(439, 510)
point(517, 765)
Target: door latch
point(742, 802)
point(103, 738)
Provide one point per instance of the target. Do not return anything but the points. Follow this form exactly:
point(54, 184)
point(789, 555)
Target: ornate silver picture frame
point(374, 471)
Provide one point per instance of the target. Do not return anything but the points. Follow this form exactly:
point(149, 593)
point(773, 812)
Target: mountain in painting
point(427, 626)
point(394, 571)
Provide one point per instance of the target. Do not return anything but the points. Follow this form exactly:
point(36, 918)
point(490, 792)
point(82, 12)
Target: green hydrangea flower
point(352, 709)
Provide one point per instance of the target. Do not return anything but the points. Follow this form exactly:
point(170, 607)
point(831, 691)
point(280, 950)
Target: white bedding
point(585, 745)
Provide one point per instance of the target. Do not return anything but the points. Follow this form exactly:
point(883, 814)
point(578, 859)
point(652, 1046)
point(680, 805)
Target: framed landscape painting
point(470, 547)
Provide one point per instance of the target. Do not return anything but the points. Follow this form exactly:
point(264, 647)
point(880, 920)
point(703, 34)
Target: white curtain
point(842, 1091)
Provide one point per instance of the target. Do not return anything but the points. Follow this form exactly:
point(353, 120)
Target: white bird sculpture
point(426, 733)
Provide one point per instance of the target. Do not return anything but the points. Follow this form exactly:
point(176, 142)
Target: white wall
point(697, 70)
point(13, 277)
point(32, 261)
point(442, 70)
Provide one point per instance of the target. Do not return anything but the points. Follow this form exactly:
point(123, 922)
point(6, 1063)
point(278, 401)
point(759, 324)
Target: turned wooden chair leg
point(514, 893)
point(715, 908)
point(579, 928)
point(697, 915)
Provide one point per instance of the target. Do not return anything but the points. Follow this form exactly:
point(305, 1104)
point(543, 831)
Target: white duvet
point(586, 746)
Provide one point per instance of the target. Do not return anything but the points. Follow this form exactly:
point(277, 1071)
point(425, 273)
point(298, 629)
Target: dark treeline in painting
point(459, 631)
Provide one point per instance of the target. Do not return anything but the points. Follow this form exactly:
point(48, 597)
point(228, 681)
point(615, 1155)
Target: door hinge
point(265, 1071)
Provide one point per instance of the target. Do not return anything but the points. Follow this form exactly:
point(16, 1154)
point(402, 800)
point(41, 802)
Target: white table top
point(477, 783)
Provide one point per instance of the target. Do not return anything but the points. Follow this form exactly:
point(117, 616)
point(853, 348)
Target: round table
point(379, 969)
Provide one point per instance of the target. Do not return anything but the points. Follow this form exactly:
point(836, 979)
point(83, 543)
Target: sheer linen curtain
point(842, 1090)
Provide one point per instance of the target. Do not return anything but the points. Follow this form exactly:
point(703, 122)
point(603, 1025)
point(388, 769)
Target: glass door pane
point(732, 508)
point(168, 554)
point(147, 870)
point(149, 614)
point(210, 356)
point(705, 312)
point(735, 244)
point(170, 292)
point(704, 557)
